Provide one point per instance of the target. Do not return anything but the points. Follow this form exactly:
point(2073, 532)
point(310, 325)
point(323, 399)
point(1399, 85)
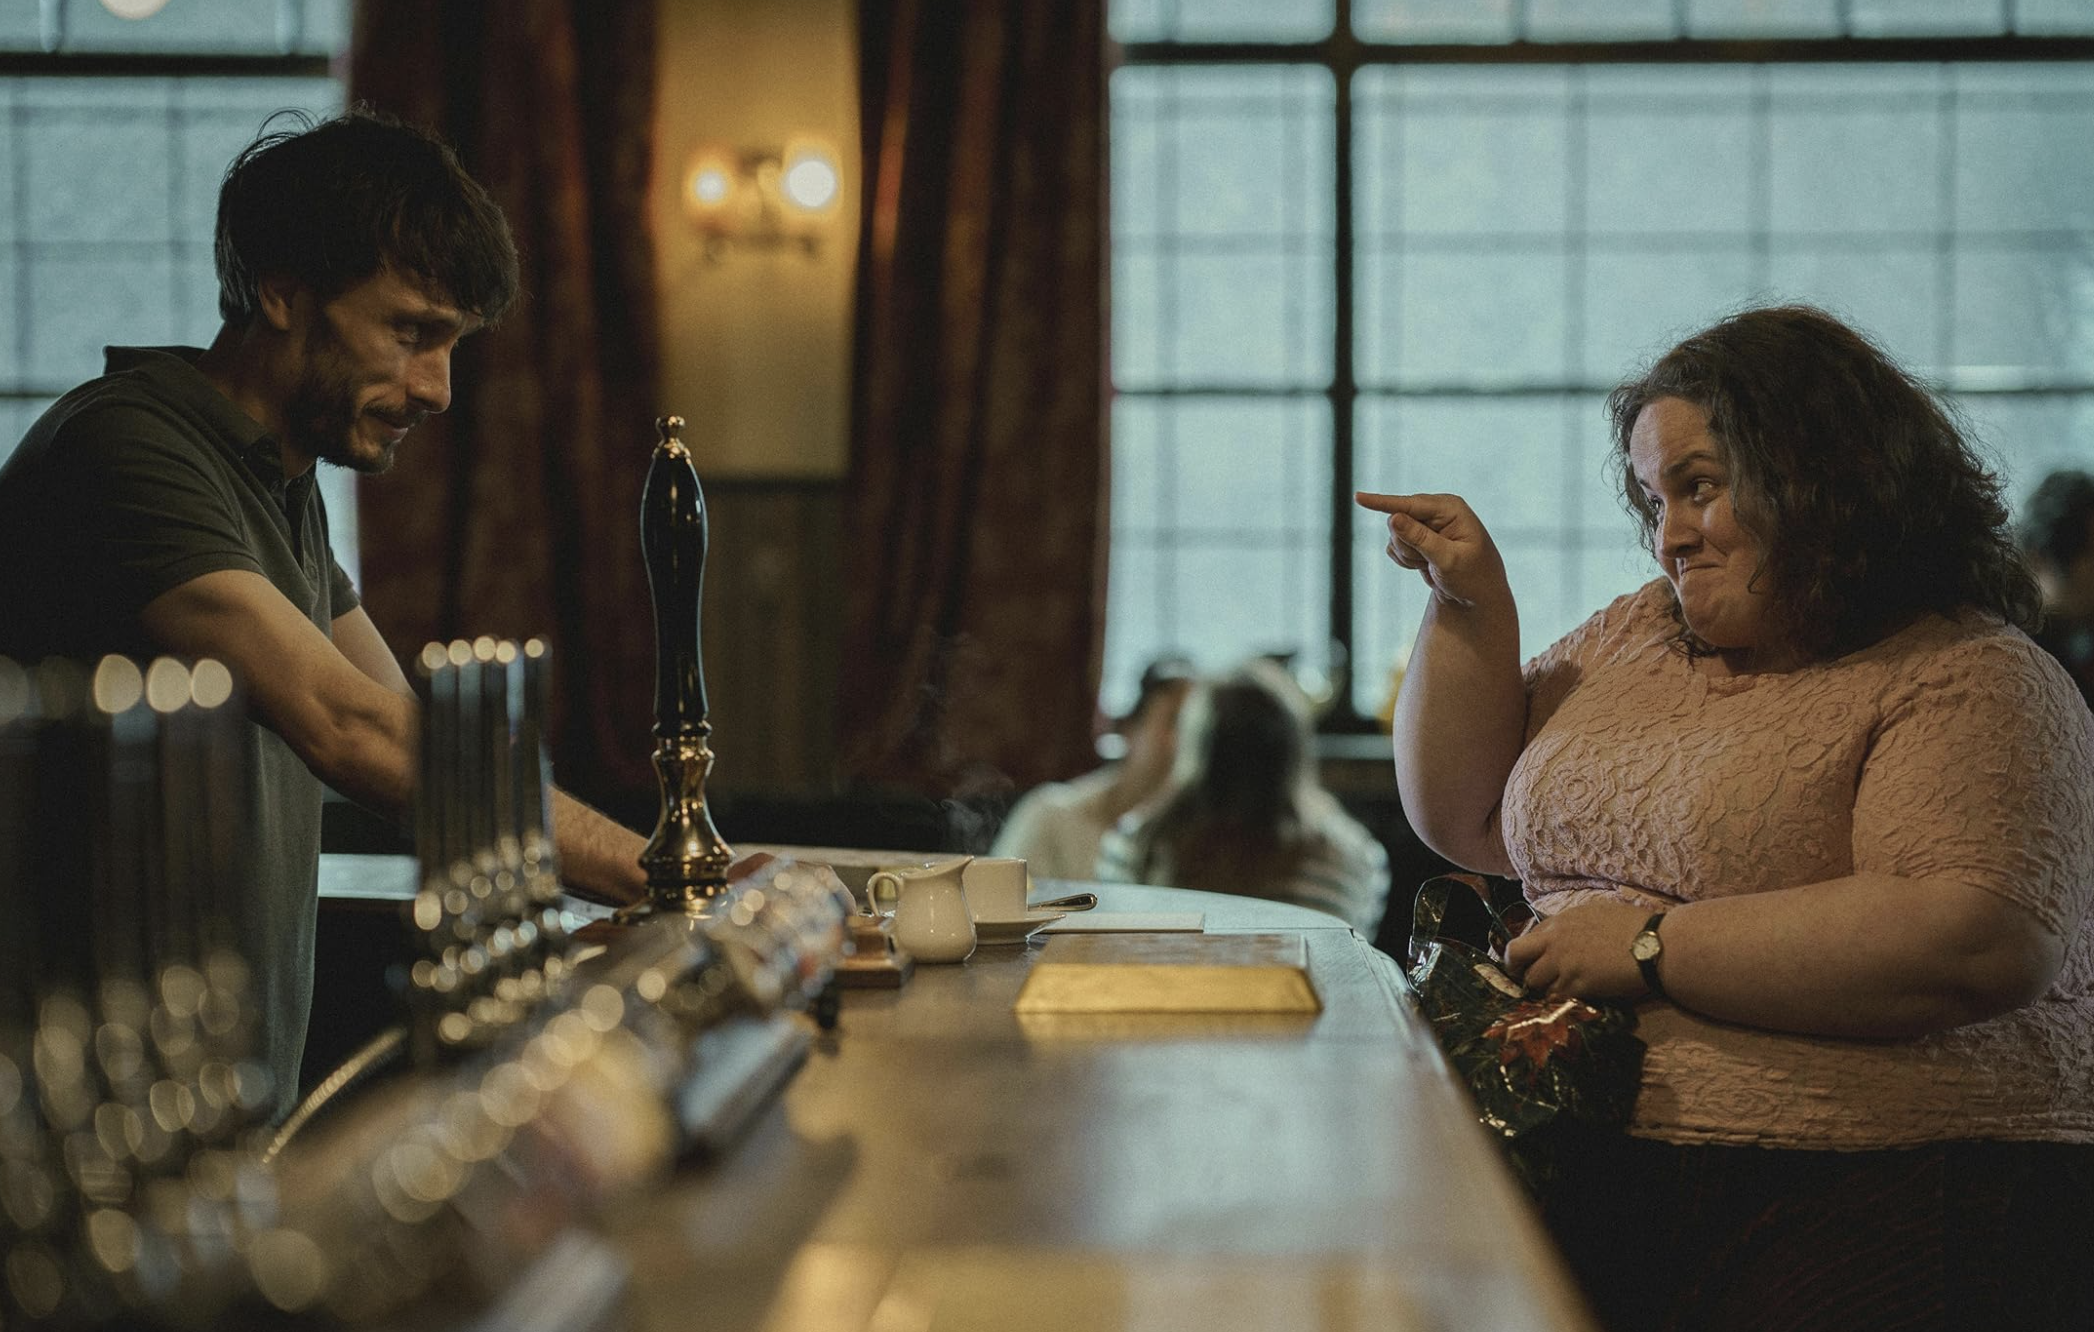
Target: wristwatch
point(1647, 948)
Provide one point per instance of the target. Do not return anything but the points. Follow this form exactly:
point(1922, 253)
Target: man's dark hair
point(2058, 520)
point(331, 204)
point(1869, 504)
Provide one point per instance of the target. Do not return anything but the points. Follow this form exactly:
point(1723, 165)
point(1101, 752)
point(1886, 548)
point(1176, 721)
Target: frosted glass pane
point(1675, 169)
point(2053, 17)
point(1763, 18)
point(77, 306)
point(126, 197)
point(195, 293)
point(1434, 20)
point(2020, 82)
point(1203, 488)
point(1241, 171)
point(1639, 303)
point(1249, 467)
point(11, 366)
point(256, 99)
point(2027, 438)
point(1137, 630)
point(1861, 170)
point(1505, 456)
point(1219, 20)
point(1544, 588)
point(10, 150)
point(1250, 319)
point(21, 26)
point(1377, 314)
point(1387, 603)
point(1601, 20)
point(1597, 513)
point(221, 26)
point(324, 28)
point(1136, 153)
point(1234, 602)
point(2025, 168)
point(1485, 170)
point(1617, 89)
point(2014, 310)
point(92, 94)
point(1928, 18)
point(1137, 319)
point(1891, 293)
point(1141, 501)
point(1486, 318)
point(1255, 142)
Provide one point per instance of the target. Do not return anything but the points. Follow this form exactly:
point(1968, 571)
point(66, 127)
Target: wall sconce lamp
point(762, 198)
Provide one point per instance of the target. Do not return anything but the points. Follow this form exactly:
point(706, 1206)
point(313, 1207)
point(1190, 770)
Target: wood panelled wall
point(771, 630)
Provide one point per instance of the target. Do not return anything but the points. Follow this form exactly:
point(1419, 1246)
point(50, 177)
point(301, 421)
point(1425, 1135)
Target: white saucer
point(992, 932)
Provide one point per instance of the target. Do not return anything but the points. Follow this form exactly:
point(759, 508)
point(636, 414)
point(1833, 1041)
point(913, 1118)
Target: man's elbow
point(355, 754)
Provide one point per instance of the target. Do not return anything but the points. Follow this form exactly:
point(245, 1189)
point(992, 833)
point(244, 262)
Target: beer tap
point(686, 860)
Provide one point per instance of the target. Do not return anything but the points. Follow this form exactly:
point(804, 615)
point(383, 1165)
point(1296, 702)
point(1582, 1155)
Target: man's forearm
point(599, 857)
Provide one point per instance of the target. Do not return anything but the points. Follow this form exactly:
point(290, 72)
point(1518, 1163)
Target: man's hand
point(1442, 538)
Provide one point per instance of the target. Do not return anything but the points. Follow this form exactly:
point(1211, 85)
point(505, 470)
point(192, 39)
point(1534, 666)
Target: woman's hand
point(1582, 951)
point(1441, 537)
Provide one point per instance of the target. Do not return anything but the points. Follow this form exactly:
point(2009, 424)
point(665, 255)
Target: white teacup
point(996, 888)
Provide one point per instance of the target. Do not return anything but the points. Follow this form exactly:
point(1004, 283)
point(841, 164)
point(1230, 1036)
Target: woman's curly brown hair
point(1868, 502)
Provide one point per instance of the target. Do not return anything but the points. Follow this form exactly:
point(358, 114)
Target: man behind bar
point(170, 506)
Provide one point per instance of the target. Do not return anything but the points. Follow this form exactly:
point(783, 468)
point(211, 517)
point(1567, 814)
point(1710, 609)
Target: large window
point(1416, 256)
point(116, 133)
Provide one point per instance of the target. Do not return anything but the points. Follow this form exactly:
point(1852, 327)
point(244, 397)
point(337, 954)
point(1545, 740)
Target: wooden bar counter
point(941, 1163)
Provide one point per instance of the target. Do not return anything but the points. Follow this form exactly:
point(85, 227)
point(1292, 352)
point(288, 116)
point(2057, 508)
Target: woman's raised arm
point(1461, 715)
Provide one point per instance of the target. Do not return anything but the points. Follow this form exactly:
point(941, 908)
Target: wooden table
point(941, 1164)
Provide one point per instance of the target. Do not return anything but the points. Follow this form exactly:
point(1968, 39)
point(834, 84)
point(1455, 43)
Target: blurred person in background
point(1244, 812)
point(1056, 827)
point(2057, 535)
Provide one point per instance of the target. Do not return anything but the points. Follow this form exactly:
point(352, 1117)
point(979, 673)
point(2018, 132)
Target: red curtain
point(517, 512)
point(974, 581)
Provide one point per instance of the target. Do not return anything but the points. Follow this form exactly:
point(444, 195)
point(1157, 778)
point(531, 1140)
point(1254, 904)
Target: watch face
point(1644, 947)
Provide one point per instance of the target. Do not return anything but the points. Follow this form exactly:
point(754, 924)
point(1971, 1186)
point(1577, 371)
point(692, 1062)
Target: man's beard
point(321, 417)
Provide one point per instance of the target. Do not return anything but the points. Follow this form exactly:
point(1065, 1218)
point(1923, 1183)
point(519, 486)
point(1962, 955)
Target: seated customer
point(1244, 813)
point(1056, 826)
point(2057, 535)
point(1815, 799)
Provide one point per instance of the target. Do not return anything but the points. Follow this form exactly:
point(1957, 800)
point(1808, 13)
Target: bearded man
point(170, 506)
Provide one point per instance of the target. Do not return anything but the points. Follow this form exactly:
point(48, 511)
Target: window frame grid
point(1345, 56)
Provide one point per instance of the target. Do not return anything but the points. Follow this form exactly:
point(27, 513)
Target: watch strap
point(1649, 965)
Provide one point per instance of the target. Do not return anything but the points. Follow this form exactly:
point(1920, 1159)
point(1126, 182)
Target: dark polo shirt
point(133, 484)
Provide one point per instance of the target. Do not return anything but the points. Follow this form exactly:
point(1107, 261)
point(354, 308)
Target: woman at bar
point(1817, 801)
point(1243, 812)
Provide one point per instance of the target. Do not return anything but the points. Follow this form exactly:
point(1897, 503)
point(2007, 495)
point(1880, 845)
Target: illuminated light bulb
point(134, 9)
point(809, 180)
point(710, 186)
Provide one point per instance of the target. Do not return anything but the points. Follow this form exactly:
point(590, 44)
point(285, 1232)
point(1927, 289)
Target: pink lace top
point(1948, 750)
